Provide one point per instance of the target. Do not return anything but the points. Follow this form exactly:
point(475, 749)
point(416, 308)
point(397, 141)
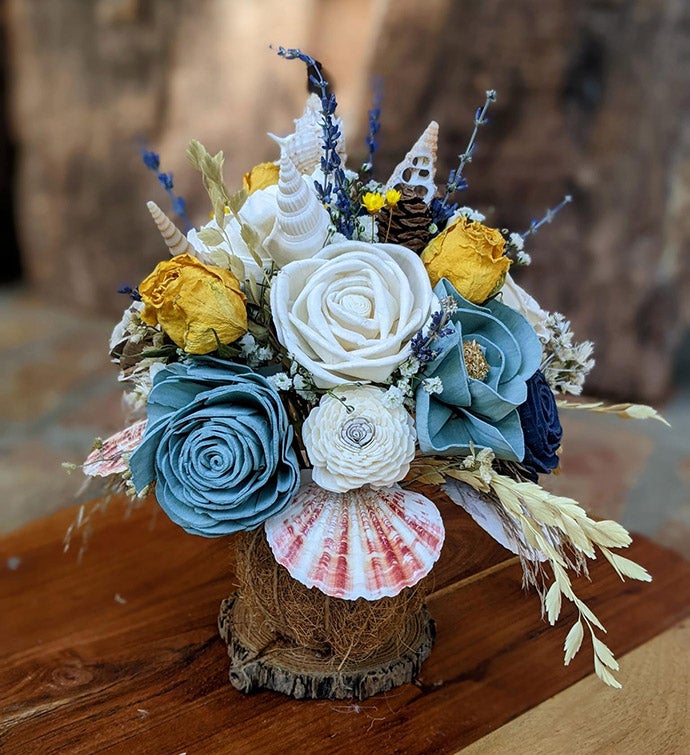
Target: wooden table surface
point(120, 653)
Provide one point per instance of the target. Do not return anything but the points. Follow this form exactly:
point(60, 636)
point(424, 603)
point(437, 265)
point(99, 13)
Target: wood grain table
point(119, 652)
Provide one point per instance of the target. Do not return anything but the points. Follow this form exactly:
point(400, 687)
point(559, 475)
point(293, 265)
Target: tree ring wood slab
point(262, 659)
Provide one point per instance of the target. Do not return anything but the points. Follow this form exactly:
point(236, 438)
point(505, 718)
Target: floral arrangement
point(329, 341)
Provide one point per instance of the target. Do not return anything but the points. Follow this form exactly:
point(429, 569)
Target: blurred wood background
point(593, 99)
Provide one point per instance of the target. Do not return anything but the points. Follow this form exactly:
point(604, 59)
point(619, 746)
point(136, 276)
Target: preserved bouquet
point(326, 343)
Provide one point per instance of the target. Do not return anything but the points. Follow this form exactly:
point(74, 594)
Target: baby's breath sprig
point(515, 245)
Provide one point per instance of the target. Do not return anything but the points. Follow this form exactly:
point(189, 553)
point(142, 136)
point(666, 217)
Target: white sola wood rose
point(517, 298)
point(355, 438)
point(349, 312)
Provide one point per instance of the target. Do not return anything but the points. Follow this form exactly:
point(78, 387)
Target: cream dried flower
point(357, 437)
point(349, 312)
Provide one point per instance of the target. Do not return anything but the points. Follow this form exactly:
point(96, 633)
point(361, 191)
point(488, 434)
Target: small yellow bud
point(373, 202)
point(393, 197)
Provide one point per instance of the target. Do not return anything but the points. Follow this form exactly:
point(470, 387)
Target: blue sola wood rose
point(542, 428)
point(471, 411)
point(218, 445)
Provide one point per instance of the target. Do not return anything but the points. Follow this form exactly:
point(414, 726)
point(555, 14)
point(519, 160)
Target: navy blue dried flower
point(541, 427)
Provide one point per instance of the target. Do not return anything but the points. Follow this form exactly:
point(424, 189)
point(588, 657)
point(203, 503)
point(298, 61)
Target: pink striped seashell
point(366, 543)
point(111, 457)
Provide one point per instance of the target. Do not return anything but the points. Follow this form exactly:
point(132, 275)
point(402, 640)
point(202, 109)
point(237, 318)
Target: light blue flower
point(481, 412)
point(219, 446)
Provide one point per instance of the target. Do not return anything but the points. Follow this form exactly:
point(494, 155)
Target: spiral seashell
point(418, 168)
point(302, 222)
point(365, 543)
point(305, 145)
point(173, 237)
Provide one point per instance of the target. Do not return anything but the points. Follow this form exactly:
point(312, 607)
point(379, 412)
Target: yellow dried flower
point(373, 202)
point(260, 177)
point(471, 256)
point(197, 305)
point(393, 197)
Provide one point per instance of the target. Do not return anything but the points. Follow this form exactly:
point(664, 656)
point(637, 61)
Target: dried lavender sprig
point(548, 216)
point(334, 175)
point(374, 116)
point(152, 161)
point(438, 328)
point(455, 180)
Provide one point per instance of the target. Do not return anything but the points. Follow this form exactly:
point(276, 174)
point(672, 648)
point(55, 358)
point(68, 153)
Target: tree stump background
point(592, 99)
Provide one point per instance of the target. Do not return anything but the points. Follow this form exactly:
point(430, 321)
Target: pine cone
point(410, 222)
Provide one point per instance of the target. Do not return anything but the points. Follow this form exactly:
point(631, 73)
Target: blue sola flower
point(542, 428)
point(484, 362)
point(218, 445)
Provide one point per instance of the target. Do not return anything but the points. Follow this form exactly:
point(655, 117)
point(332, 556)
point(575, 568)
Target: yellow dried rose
point(260, 177)
point(471, 256)
point(197, 305)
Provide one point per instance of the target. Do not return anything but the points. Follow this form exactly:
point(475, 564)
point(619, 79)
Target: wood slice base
point(261, 659)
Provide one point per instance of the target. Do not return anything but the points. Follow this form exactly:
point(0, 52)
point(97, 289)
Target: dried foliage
point(549, 527)
point(624, 411)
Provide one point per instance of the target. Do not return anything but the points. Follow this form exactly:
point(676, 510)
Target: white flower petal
point(356, 437)
point(349, 312)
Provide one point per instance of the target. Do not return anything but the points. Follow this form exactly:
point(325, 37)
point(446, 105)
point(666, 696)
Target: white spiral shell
point(361, 544)
point(302, 222)
point(418, 168)
point(174, 239)
point(305, 145)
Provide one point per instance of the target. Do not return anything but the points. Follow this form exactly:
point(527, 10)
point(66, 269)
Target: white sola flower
point(349, 312)
point(355, 437)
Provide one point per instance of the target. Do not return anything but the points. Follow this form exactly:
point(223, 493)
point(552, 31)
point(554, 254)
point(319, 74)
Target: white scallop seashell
point(418, 168)
point(175, 240)
point(301, 225)
point(305, 145)
point(365, 543)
